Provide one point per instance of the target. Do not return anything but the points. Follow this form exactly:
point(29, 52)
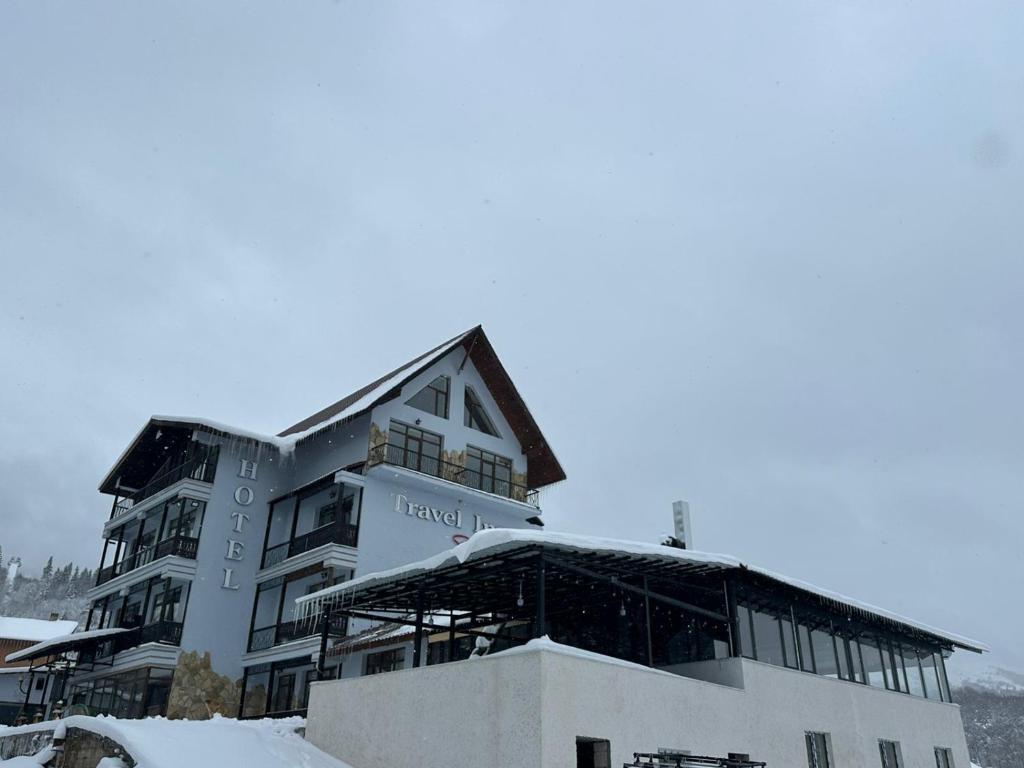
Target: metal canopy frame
point(536, 582)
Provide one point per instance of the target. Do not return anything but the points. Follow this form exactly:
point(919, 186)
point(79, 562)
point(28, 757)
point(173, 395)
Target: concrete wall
point(468, 714)
point(528, 707)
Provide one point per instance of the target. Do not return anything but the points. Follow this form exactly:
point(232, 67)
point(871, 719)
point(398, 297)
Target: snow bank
point(494, 540)
point(217, 743)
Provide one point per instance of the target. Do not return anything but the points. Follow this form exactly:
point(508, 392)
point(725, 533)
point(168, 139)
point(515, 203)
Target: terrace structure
point(571, 641)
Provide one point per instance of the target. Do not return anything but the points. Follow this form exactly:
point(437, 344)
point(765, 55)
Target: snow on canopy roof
point(495, 540)
point(155, 742)
point(34, 630)
point(61, 643)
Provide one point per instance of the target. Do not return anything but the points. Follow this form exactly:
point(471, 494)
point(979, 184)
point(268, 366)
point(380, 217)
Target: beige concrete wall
point(472, 713)
point(526, 709)
point(644, 710)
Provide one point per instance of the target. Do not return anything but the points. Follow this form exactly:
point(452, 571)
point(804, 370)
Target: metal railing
point(180, 546)
point(162, 631)
point(276, 634)
point(399, 456)
point(200, 468)
point(334, 533)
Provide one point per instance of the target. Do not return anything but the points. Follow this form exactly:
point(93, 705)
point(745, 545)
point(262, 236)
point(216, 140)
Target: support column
point(735, 641)
point(539, 624)
point(417, 649)
point(647, 625)
point(325, 631)
point(451, 635)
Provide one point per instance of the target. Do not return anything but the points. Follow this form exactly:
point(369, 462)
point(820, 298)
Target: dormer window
point(475, 416)
point(433, 398)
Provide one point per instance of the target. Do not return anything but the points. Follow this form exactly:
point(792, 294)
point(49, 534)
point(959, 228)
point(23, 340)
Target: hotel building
point(215, 531)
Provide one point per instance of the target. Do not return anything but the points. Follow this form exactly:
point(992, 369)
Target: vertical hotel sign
point(244, 496)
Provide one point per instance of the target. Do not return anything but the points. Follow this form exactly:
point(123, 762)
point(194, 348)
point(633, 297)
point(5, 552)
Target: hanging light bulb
point(622, 608)
point(519, 600)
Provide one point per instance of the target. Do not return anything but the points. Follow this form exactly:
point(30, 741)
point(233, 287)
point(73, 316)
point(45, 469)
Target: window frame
point(439, 395)
point(489, 427)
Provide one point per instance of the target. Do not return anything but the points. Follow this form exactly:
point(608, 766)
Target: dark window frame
point(441, 397)
point(474, 414)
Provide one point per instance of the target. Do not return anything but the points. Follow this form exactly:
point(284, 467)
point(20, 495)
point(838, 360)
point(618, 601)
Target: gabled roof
point(543, 465)
point(161, 431)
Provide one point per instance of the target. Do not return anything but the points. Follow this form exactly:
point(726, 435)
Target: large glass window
point(303, 520)
point(746, 631)
point(874, 664)
point(913, 672)
point(254, 694)
point(475, 416)
point(488, 471)
point(892, 675)
point(433, 398)
point(806, 649)
point(817, 750)
point(768, 639)
point(415, 448)
point(932, 688)
point(789, 643)
point(824, 653)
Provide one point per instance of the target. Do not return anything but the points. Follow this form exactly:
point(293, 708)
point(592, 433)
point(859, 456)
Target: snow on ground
point(217, 743)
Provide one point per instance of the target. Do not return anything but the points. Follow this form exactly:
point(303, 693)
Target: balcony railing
point(276, 634)
point(399, 456)
point(168, 632)
point(180, 546)
point(335, 533)
point(200, 468)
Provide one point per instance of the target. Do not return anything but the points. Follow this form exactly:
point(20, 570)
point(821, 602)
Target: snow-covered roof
point(155, 742)
point(61, 643)
point(34, 630)
point(349, 407)
point(497, 540)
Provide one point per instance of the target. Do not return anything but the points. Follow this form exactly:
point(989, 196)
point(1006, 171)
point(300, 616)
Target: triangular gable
point(544, 467)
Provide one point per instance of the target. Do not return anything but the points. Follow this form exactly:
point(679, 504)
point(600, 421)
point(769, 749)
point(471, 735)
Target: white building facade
point(215, 531)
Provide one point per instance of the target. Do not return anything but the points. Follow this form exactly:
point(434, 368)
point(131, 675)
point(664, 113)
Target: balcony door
point(415, 448)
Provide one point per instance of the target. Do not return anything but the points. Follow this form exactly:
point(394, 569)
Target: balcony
point(336, 533)
point(167, 632)
point(398, 456)
point(200, 468)
point(178, 546)
point(277, 634)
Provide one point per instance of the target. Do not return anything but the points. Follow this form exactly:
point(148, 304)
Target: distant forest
point(59, 590)
point(994, 724)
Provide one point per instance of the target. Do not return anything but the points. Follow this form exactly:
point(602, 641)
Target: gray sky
point(762, 256)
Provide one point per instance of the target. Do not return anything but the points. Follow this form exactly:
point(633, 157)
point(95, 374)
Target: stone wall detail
point(197, 692)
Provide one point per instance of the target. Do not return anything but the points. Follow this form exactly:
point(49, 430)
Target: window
point(824, 653)
point(415, 448)
point(789, 643)
point(746, 631)
point(384, 661)
point(433, 398)
point(817, 750)
point(890, 754)
point(593, 753)
point(488, 471)
point(943, 758)
point(768, 639)
point(874, 665)
point(475, 416)
point(806, 650)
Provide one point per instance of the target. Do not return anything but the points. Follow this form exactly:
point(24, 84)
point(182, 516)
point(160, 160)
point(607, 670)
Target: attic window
point(475, 415)
point(433, 398)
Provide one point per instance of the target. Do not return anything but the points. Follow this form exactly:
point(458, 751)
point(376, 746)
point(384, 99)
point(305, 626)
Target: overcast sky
point(761, 256)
